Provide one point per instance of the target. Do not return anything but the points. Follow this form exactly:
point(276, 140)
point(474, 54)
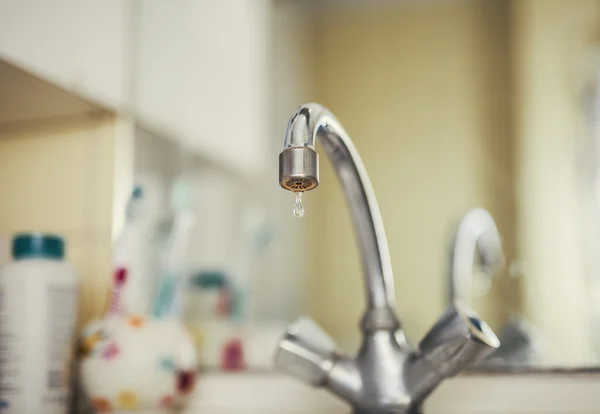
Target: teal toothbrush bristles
point(137, 192)
point(134, 202)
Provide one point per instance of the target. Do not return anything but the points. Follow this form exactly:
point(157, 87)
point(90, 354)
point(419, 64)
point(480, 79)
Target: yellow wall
point(423, 91)
point(57, 176)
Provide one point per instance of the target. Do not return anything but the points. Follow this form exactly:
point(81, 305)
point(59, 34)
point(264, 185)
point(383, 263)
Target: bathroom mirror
point(454, 105)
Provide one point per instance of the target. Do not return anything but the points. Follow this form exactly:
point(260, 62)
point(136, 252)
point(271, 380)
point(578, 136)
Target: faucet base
point(416, 410)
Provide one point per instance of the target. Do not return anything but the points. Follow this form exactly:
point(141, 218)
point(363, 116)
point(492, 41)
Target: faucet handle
point(458, 339)
point(306, 352)
point(308, 330)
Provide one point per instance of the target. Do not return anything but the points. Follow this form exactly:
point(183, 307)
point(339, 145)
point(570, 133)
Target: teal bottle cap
point(210, 279)
point(38, 246)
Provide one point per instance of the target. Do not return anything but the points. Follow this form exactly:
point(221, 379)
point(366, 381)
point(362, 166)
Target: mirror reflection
point(454, 106)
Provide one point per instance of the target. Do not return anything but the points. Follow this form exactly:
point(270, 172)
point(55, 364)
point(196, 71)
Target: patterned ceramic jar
point(136, 364)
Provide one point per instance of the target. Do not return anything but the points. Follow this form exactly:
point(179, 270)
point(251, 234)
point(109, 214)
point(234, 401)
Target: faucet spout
point(299, 171)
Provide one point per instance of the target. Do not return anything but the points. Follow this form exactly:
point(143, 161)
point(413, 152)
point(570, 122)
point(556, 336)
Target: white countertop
point(535, 393)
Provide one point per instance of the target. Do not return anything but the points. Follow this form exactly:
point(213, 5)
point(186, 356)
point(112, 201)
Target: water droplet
point(298, 207)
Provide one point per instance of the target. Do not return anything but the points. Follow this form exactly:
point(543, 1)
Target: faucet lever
point(306, 352)
point(459, 338)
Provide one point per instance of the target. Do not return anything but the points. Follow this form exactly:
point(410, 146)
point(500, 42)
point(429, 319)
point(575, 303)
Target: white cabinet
point(196, 71)
point(79, 45)
point(202, 73)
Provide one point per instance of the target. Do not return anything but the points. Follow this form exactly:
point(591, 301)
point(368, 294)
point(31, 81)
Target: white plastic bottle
point(38, 309)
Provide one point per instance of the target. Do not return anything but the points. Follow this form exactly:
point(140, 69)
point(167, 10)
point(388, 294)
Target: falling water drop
point(298, 207)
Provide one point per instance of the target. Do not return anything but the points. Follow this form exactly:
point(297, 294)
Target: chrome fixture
point(477, 234)
point(386, 376)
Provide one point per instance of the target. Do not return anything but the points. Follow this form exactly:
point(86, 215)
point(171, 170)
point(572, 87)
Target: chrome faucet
point(477, 233)
point(386, 376)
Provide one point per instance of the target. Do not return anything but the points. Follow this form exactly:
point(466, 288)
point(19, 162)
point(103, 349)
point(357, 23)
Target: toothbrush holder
point(136, 364)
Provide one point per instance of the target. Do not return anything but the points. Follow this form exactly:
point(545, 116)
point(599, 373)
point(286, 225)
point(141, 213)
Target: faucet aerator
point(299, 169)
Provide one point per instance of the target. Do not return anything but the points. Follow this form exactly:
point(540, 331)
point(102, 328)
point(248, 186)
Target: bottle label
point(37, 323)
point(60, 307)
point(12, 356)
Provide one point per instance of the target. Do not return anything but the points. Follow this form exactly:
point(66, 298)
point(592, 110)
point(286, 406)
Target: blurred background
point(452, 104)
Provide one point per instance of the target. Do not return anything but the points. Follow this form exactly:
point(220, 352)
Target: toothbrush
point(167, 298)
point(133, 258)
point(123, 252)
point(257, 235)
point(142, 244)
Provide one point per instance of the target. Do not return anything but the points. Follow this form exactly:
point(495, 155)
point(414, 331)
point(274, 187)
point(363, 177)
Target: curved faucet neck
point(477, 234)
point(312, 121)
